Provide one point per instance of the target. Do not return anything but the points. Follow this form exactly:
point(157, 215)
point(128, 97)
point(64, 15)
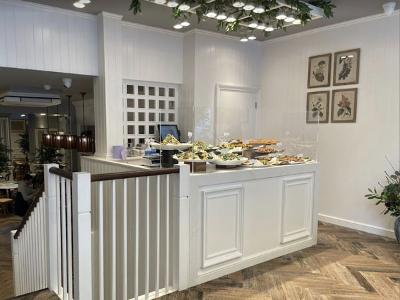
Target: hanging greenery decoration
point(299, 10)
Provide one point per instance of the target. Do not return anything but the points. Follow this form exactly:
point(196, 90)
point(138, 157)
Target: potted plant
point(390, 197)
point(23, 143)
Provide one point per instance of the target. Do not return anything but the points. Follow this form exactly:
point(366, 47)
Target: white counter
point(235, 218)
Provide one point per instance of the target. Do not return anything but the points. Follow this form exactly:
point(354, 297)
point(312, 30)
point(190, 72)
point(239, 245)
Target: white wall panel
point(45, 38)
point(221, 60)
point(151, 54)
point(353, 155)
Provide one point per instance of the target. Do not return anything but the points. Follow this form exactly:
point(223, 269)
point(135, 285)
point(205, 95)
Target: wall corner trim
point(110, 15)
point(357, 225)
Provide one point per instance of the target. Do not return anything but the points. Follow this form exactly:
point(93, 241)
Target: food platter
point(237, 162)
point(181, 146)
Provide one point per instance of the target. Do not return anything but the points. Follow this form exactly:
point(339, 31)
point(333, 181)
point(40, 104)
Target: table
point(8, 185)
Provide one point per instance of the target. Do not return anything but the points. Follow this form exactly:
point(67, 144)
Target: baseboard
point(357, 225)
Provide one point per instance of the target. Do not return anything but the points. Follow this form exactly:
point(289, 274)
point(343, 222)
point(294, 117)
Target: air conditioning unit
point(26, 99)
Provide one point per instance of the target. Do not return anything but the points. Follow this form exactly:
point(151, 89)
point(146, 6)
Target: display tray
point(220, 162)
point(181, 147)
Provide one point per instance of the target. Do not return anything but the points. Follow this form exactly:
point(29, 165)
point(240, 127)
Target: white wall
point(45, 38)
point(220, 60)
point(352, 155)
point(151, 54)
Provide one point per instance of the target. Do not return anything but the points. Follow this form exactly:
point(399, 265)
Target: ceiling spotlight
point(221, 16)
point(253, 24)
point(252, 37)
point(249, 6)
point(42, 114)
point(269, 28)
point(47, 87)
point(178, 26)
point(261, 26)
point(23, 115)
point(258, 10)
point(85, 1)
point(67, 82)
point(185, 23)
point(238, 4)
point(244, 39)
point(160, 1)
point(211, 14)
point(297, 22)
point(289, 19)
point(172, 3)
point(230, 19)
point(79, 5)
point(281, 16)
point(184, 7)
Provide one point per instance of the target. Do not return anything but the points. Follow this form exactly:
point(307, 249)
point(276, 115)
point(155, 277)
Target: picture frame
point(319, 71)
point(344, 106)
point(346, 67)
point(317, 110)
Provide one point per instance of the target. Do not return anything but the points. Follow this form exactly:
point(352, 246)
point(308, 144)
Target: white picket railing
point(114, 236)
point(29, 252)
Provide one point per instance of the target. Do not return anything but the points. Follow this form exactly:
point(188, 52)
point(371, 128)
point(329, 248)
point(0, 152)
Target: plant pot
point(397, 229)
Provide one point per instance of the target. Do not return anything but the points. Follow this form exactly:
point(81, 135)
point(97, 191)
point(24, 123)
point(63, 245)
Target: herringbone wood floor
point(345, 264)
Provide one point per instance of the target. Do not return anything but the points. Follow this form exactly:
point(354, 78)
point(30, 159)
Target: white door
point(236, 113)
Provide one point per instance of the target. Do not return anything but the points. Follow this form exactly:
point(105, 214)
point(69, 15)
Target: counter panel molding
point(297, 200)
point(222, 232)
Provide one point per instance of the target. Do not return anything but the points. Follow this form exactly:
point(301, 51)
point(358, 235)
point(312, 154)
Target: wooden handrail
point(35, 201)
point(60, 172)
point(132, 174)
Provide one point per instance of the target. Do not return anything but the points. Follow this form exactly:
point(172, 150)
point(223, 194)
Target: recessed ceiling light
point(231, 19)
point(160, 1)
point(178, 26)
point(185, 24)
point(249, 6)
point(289, 19)
point(244, 39)
point(42, 114)
point(238, 4)
point(261, 26)
point(259, 10)
point(253, 24)
point(297, 22)
point(85, 1)
point(79, 5)
point(269, 28)
point(184, 7)
point(211, 14)
point(281, 16)
point(221, 16)
point(172, 3)
point(23, 115)
point(252, 37)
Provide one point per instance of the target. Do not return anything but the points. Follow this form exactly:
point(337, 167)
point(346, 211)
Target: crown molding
point(331, 27)
point(47, 8)
point(105, 14)
point(152, 29)
point(217, 35)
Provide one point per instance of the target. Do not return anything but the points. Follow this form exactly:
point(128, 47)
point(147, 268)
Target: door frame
point(219, 88)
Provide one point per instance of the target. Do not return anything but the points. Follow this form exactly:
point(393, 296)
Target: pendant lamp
point(69, 140)
point(85, 143)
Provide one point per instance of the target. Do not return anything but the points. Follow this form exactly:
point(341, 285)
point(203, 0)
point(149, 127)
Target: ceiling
point(33, 81)
point(161, 16)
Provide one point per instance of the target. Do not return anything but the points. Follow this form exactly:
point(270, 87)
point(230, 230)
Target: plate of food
point(193, 156)
point(229, 159)
point(171, 143)
point(265, 150)
point(284, 160)
point(254, 142)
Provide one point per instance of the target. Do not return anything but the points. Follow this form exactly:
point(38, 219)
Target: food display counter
point(242, 216)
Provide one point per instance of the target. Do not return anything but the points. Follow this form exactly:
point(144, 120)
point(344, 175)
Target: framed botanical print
point(319, 71)
point(344, 106)
point(317, 107)
point(346, 67)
